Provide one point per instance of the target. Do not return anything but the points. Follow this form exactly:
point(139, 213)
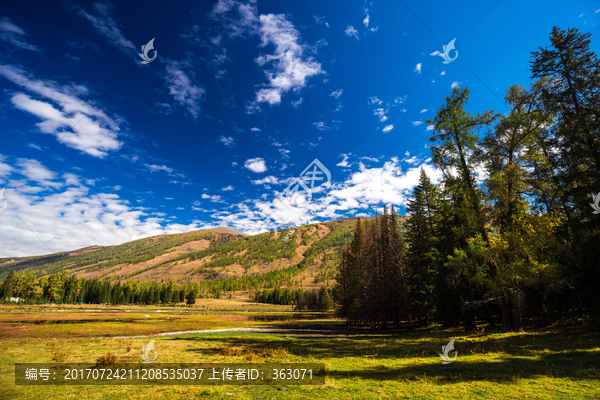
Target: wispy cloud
point(91, 130)
point(321, 126)
point(105, 25)
point(291, 68)
point(351, 32)
point(337, 93)
point(11, 33)
point(344, 162)
point(179, 83)
point(380, 113)
point(388, 128)
point(154, 168)
point(418, 68)
point(321, 20)
point(226, 140)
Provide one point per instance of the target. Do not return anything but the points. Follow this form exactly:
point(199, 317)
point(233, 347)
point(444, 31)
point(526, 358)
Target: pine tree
point(7, 285)
point(422, 253)
point(191, 298)
point(572, 94)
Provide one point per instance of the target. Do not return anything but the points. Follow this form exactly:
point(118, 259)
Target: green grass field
point(559, 362)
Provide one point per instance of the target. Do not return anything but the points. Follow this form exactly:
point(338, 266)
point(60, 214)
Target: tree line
point(303, 300)
point(62, 288)
point(510, 228)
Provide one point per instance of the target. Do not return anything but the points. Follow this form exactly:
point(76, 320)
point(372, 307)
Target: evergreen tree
point(191, 298)
point(422, 253)
point(572, 94)
point(7, 285)
point(324, 300)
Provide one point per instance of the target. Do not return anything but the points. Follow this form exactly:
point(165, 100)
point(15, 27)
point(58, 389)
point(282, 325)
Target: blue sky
point(99, 148)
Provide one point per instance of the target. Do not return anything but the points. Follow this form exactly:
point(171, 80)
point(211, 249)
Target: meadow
point(561, 361)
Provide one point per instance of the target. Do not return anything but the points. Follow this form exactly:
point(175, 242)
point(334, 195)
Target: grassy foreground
point(557, 363)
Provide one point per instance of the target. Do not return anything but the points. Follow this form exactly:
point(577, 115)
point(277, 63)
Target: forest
point(510, 230)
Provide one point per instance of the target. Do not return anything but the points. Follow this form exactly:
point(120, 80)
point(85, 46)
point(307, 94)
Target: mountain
point(308, 258)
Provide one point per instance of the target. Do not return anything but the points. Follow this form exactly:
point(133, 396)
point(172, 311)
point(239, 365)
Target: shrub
point(108, 359)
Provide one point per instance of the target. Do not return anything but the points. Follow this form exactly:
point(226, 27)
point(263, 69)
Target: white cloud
point(239, 18)
point(373, 186)
point(321, 126)
point(297, 103)
point(104, 24)
point(418, 68)
point(321, 21)
point(256, 165)
point(66, 215)
point(351, 32)
point(336, 93)
point(430, 127)
point(291, 68)
point(423, 110)
point(344, 162)
point(154, 168)
point(388, 128)
point(284, 153)
point(11, 33)
point(370, 159)
point(233, 164)
point(226, 140)
point(266, 180)
point(182, 89)
point(364, 189)
point(380, 112)
point(374, 100)
point(255, 129)
point(214, 199)
point(227, 189)
point(91, 130)
point(38, 173)
point(597, 11)
point(417, 123)
point(454, 84)
point(443, 73)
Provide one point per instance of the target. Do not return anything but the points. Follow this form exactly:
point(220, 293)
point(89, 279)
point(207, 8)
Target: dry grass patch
point(108, 359)
point(60, 357)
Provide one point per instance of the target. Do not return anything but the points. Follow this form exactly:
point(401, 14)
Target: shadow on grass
point(570, 353)
point(577, 365)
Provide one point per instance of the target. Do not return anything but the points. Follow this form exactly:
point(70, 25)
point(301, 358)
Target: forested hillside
point(170, 267)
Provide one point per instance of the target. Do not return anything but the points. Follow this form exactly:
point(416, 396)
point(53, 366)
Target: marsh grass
point(559, 362)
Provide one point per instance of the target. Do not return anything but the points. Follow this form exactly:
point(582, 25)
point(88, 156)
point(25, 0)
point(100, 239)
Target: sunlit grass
point(559, 363)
